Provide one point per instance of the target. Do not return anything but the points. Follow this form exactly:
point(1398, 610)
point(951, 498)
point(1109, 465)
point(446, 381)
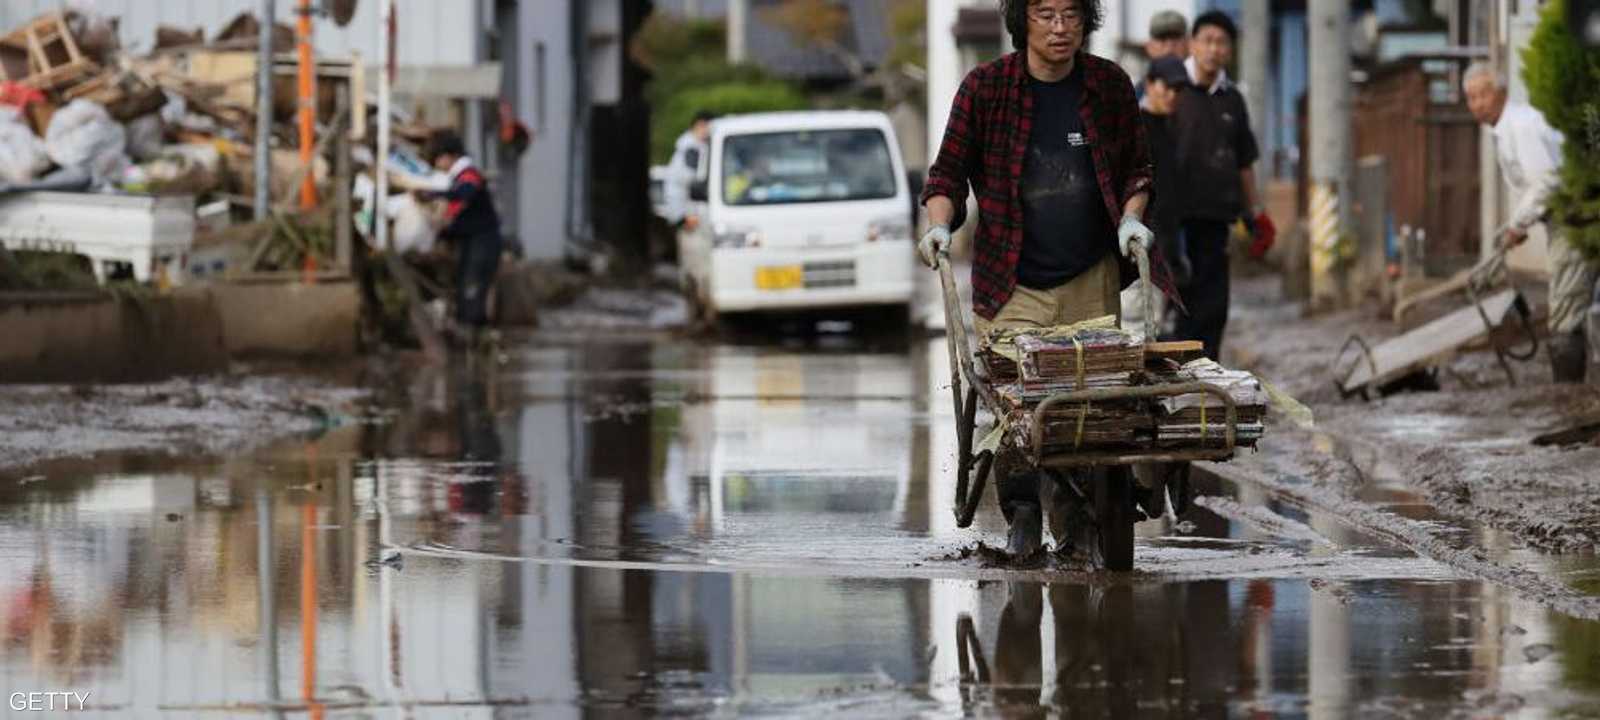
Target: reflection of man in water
point(1120, 649)
point(474, 493)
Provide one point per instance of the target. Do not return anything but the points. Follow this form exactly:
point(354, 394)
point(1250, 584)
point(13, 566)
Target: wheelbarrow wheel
point(1114, 520)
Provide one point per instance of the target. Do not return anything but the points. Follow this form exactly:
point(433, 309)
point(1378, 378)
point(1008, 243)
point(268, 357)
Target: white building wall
point(431, 32)
point(546, 166)
point(945, 68)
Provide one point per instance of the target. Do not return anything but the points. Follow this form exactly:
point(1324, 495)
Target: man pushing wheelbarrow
point(1049, 139)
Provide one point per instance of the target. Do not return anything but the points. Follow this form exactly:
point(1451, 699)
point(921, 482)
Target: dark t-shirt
point(1065, 227)
point(1214, 144)
point(1162, 214)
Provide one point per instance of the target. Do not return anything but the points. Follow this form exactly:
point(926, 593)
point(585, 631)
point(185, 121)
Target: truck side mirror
point(697, 191)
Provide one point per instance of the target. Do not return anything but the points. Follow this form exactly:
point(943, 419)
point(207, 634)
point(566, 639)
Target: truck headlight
point(735, 237)
point(889, 229)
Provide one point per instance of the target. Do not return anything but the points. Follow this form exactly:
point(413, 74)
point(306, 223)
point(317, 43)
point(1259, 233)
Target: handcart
point(1407, 359)
point(1112, 498)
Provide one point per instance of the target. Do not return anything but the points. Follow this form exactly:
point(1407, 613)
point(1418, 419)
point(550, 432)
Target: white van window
point(806, 166)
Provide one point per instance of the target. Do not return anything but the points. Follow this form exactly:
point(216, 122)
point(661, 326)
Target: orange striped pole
point(308, 593)
point(308, 102)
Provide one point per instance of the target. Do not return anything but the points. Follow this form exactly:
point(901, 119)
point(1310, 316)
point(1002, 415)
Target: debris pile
point(79, 114)
point(1028, 367)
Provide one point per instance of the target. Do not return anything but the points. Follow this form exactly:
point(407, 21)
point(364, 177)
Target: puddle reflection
point(642, 477)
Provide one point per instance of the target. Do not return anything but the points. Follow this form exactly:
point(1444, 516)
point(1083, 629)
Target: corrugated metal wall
point(431, 32)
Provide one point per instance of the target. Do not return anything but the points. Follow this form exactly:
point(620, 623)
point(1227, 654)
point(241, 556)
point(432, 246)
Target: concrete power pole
point(263, 159)
point(1330, 143)
point(1255, 65)
point(738, 16)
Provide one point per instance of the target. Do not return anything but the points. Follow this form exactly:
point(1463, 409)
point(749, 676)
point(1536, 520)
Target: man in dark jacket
point(472, 224)
point(1217, 154)
point(1049, 140)
point(1164, 79)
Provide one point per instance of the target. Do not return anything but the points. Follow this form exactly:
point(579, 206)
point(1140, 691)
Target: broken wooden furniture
point(43, 54)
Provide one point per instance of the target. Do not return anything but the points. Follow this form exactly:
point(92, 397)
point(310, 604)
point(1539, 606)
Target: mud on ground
point(200, 416)
point(1468, 448)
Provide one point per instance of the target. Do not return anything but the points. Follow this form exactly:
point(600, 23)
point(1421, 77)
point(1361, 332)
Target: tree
point(687, 60)
point(824, 24)
point(1563, 80)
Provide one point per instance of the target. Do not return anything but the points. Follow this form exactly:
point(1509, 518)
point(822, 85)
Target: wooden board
point(1429, 344)
point(1180, 351)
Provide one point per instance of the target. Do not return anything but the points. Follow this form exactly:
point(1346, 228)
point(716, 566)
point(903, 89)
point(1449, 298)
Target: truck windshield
point(806, 166)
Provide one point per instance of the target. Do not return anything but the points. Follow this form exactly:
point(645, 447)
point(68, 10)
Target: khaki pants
point(1572, 281)
point(1095, 293)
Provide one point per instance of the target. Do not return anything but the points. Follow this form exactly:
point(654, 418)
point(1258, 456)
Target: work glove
point(1513, 236)
point(935, 241)
point(1265, 234)
point(1131, 231)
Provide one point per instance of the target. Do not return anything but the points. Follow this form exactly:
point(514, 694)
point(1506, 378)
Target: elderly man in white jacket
point(1530, 158)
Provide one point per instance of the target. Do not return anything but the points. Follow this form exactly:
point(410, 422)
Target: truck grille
point(830, 274)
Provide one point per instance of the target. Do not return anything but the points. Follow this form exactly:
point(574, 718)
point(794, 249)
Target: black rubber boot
point(1026, 529)
point(1068, 510)
point(1569, 357)
point(1019, 503)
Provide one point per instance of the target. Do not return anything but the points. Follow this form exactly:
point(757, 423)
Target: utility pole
point(263, 169)
point(1330, 143)
point(308, 103)
point(1255, 61)
point(738, 12)
point(380, 209)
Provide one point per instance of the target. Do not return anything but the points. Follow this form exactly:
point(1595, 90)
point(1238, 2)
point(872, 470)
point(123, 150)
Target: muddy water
point(655, 527)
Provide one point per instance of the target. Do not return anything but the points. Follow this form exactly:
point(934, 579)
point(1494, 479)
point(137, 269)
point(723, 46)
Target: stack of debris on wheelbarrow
point(1030, 367)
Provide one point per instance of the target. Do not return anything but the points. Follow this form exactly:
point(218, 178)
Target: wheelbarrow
point(1112, 496)
point(1408, 360)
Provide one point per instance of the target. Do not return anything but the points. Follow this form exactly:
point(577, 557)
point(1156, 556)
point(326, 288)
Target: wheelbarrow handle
point(1141, 257)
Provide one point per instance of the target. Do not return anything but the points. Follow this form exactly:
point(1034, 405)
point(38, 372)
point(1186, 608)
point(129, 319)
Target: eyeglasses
point(1049, 17)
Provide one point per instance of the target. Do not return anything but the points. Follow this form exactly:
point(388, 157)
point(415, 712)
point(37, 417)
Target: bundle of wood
point(1088, 358)
point(1075, 426)
point(1200, 418)
point(1027, 367)
point(1057, 360)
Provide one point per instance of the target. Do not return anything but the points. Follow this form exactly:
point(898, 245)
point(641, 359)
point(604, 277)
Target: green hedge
point(673, 115)
point(1563, 80)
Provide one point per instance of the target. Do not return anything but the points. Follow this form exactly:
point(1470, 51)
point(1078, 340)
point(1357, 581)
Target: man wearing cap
point(1216, 155)
point(1164, 79)
point(1169, 36)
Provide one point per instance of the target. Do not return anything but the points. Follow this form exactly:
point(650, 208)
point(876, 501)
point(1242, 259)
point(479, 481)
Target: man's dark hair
point(1219, 20)
point(1015, 13)
point(444, 142)
point(703, 116)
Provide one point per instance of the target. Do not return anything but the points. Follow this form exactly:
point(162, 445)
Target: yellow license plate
point(780, 277)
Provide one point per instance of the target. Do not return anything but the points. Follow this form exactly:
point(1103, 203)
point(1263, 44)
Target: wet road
point(641, 527)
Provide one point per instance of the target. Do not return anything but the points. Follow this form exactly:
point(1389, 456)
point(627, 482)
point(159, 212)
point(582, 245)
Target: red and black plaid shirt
point(984, 144)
